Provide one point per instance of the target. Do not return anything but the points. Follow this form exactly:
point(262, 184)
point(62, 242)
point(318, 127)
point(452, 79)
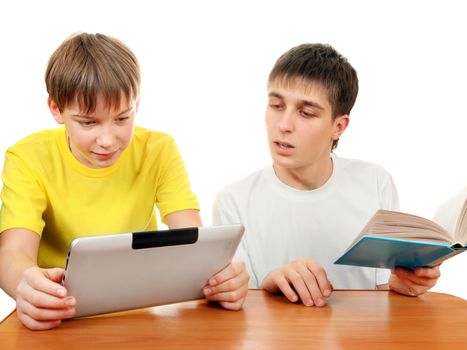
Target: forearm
point(184, 218)
point(18, 252)
point(12, 266)
point(41, 302)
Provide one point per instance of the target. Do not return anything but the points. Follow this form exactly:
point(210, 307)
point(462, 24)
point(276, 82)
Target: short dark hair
point(86, 66)
point(322, 64)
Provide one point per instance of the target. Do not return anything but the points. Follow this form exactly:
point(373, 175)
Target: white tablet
point(125, 271)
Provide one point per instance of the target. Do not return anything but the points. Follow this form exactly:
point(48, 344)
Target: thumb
point(54, 274)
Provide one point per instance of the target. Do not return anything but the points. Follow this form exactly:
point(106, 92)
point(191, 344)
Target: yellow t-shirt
point(47, 190)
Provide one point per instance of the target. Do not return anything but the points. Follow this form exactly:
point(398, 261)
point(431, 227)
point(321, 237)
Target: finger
point(229, 272)
point(38, 279)
point(230, 296)
point(42, 314)
point(283, 284)
point(55, 274)
point(311, 283)
point(396, 284)
point(321, 278)
point(229, 285)
point(38, 325)
point(408, 276)
point(428, 272)
point(235, 306)
point(296, 278)
point(43, 300)
point(414, 289)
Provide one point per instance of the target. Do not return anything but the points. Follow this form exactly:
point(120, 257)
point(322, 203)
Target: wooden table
point(352, 320)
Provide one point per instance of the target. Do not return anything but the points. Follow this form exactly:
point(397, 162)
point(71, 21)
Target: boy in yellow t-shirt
point(99, 173)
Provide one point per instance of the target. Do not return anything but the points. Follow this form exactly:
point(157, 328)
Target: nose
point(106, 138)
point(286, 122)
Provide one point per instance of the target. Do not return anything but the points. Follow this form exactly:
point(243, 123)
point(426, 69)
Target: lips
point(283, 145)
point(283, 148)
point(104, 156)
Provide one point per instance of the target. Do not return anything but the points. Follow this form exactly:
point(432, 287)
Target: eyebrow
point(90, 117)
point(305, 102)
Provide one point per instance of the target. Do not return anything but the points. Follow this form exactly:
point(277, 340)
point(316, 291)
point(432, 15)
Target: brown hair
point(87, 66)
point(322, 64)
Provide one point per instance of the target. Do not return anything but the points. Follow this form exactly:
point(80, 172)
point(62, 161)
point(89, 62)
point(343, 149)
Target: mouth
point(283, 145)
point(104, 156)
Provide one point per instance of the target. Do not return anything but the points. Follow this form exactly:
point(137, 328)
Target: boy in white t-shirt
point(303, 212)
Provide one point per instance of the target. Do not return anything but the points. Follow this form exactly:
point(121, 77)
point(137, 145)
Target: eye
point(307, 113)
point(122, 119)
point(86, 122)
point(276, 105)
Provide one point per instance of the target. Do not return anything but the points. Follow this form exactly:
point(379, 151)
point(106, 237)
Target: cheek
point(269, 122)
point(271, 134)
point(126, 134)
point(312, 137)
point(83, 139)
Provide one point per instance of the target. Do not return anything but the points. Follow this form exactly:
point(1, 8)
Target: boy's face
point(97, 139)
point(300, 126)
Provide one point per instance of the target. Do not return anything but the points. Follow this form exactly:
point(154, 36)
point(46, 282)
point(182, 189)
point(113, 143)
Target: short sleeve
point(23, 198)
point(173, 190)
point(389, 197)
point(224, 212)
point(382, 276)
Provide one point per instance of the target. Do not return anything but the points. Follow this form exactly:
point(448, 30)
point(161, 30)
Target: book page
point(461, 226)
point(404, 226)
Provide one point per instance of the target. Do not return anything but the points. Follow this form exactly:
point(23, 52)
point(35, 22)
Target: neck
point(307, 178)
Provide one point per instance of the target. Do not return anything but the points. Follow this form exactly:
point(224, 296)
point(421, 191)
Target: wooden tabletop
point(351, 320)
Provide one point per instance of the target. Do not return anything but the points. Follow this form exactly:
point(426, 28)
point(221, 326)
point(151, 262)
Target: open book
point(393, 239)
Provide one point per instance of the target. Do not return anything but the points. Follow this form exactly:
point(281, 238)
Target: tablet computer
point(109, 273)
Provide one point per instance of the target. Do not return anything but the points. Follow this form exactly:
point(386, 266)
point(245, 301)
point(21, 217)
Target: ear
point(55, 110)
point(340, 124)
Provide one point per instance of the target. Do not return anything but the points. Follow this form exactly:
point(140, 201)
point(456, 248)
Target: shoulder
point(154, 142)
point(245, 185)
point(357, 165)
point(39, 137)
point(361, 169)
point(151, 137)
point(38, 144)
point(368, 180)
point(233, 200)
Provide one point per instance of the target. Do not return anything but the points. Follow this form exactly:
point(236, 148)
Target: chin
point(284, 163)
point(106, 164)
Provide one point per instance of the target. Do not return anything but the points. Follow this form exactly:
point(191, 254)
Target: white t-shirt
point(283, 224)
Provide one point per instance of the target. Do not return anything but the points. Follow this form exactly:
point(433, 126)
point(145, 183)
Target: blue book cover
point(385, 252)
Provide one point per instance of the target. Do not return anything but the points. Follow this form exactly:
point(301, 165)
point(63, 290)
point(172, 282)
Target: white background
point(205, 65)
